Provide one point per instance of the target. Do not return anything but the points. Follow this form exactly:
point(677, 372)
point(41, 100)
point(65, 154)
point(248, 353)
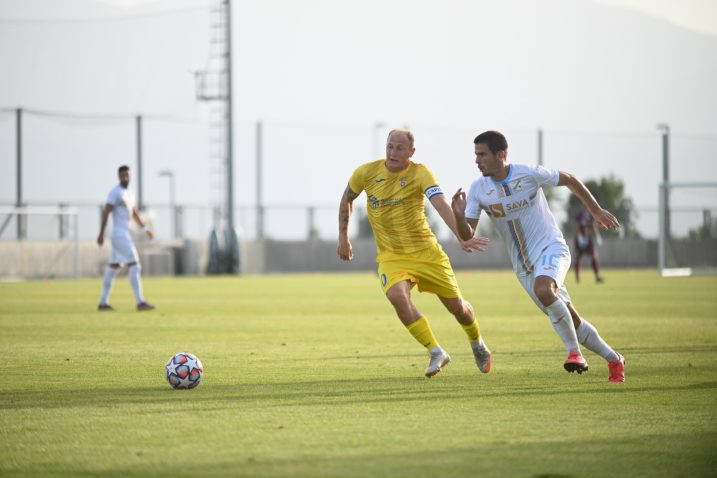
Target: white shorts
point(555, 263)
point(123, 250)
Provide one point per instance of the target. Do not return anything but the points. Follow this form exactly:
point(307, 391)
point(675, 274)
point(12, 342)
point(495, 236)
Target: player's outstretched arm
point(466, 227)
point(603, 217)
point(344, 249)
point(468, 244)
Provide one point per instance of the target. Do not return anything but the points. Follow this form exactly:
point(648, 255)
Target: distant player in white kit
point(120, 203)
point(513, 198)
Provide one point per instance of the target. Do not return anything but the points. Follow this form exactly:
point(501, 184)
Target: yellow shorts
point(429, 268)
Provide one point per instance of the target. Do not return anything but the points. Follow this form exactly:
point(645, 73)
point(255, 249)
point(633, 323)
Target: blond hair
point(405, 131)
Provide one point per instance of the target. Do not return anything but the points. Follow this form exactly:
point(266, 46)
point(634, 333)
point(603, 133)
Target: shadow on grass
point(341, 392)
point(557, 351)
point(636, 454)
point(351, 391)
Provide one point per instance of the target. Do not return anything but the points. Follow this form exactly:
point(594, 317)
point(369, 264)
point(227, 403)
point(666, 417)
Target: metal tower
point(214, 85)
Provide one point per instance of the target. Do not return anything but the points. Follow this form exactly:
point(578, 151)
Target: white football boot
point(482, 355)
point(439, 359)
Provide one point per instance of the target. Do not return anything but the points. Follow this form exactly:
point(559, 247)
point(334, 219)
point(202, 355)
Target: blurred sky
point(330, 78)
point(697, 15)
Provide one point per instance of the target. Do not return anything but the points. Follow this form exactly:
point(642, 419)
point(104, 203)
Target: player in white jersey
point(512, 196)
point(120, 203)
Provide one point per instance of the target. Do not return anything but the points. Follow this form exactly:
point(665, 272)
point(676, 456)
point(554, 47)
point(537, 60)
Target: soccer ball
point(184, 370)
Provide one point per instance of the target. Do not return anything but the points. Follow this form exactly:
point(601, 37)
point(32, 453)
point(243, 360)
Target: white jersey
point(519, 211)
point(123, 204)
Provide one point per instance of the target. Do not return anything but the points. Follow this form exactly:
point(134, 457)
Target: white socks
point(136, 282)
point(107, 282)
point(134, 279)
point(563, 324)
point(588, 336)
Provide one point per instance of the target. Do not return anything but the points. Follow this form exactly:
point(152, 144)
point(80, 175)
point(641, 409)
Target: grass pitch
point(313, 375)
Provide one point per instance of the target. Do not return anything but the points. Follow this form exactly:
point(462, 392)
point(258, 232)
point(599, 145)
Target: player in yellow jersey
point(408, 252)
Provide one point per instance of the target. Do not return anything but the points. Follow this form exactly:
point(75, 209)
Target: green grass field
point(313, 375)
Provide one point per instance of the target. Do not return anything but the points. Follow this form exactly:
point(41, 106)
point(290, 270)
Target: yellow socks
point(472, 331)
point(421, 331)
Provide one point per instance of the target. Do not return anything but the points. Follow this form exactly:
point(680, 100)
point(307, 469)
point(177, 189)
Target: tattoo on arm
point(349, 194)
point(345, 209)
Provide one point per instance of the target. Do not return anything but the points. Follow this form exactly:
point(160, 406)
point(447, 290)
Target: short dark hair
point(494, 140)
point(122, 169)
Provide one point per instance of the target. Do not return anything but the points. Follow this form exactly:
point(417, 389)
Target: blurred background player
point(586, 243)
point(407, 250)
point(120, 203)
point(513, 198)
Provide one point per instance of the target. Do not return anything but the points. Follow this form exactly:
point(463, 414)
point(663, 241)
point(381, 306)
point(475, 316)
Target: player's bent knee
point(546, 294)
point(399, 291)
point(455, 306)
point(396, 297)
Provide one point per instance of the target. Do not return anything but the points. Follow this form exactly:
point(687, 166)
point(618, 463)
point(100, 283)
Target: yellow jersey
point(395, 205)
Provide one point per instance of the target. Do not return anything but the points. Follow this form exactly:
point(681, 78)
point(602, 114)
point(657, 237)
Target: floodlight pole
point(76, 231)
point(223, 92)
point(18, 188)
point(663, 199)
point(140, 199)
point(665, 129)
point(230, 129)
point(661, 226)
point(259, 180)
point(540, 147)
